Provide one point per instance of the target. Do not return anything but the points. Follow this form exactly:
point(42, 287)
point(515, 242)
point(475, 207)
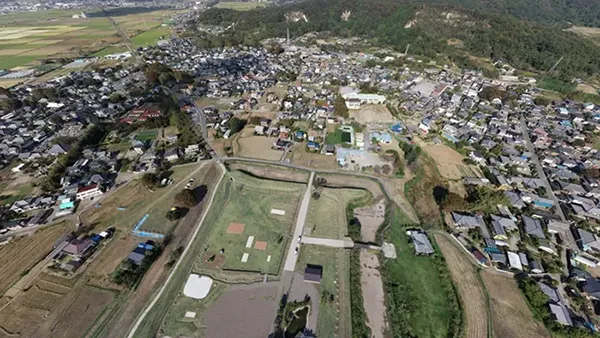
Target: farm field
point(469, 287)
point(247, 236)
point(300, 156)
point(28, 38)
point(511, 316)
point(241, 6)
point(372, 292)
point(450, 163)
point(21, 254)
point(414, 284)
point(327, 215)
point(334, 303)
point(372, 114)
point(150, 37)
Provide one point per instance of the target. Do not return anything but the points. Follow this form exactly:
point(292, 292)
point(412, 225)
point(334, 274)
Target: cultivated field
point(372, 114)
point(511, 317)
point(248, 145)
point(450, 163)
point(241, 6)
point(302, 157)
point(247, 235)
point(27, 38)
point(327, 215)
point(21, 254)
point(373, 294)
point(334, 303)
point(469, 287)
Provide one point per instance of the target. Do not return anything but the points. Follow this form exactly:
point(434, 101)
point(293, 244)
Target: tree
point(149, 180)
point(174, 214)
point(340, 107)
point(186, 198)
point(236, 124)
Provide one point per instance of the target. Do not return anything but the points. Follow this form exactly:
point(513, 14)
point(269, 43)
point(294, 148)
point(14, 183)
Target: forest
point(525, 45)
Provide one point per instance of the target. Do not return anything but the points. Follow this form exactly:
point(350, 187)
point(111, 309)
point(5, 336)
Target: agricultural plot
point(150, 37)
point(511, 316)
point(469, 287)
point(414, 285)
point(302, 157)
point(327, 215)
point(248, 145)
point(372, 114)
point(21, 254)
point(247, 236)
point(241, 6)
point(334, 298)
point(450, 163)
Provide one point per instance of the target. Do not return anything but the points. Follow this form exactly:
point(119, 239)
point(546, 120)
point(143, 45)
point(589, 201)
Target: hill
point(427, 28)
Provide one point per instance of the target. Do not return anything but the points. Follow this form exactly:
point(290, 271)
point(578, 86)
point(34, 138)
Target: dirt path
point(157, 274)
point(373, 295)
point(470, 289)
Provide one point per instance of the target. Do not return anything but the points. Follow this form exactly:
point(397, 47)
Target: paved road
point(334, 243)
point(176, 267)
point(292, 256)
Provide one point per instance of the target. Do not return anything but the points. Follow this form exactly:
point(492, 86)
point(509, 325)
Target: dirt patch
point(242, 311)
point(457, 187)
point(372, 114)
point(470, 289)
point(299, 290)
point(373, 295)
point(246, 144)
point(511, 317)
point(587, 89)
point(370, 218)
point(304, 158)
point(235, 228)
point(339, 181)
point(272, 173)
point(260, 245)
point(213, 260)
point(450, 163)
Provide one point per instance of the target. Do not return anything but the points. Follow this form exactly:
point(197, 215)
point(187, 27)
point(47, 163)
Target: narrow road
point(292, 256)
point(334, 243)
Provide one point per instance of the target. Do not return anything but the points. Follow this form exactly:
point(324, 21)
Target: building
point(421, 242)
point(363, 98)
point(79, 247)
point(89, 191)
point(313, 273)
point(140, 252)
point(142, 113)
point(353, 103)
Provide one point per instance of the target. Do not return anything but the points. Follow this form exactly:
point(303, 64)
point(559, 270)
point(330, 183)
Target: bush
point(186, 198)
point(149, 180)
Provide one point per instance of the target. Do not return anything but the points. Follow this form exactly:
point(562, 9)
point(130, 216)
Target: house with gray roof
point(559, 310)
point(586, 240)
point(421, 242)
point(533, 227)
point(468, 221)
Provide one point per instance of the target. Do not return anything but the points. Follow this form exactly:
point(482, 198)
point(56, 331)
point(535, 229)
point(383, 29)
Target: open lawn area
point(327, 215)
point(419, 299)
point(146, 135)
point(150, 37)
point(242, 6)
point(337, 137)
point(333, 289)
point(247, 236)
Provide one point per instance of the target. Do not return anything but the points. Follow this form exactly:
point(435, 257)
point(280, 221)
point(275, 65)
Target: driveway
point(292, 256)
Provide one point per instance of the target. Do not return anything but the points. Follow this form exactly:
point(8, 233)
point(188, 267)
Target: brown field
point(372, 114)
point(471, 292)
point(314, 160)
point(260, 245)
point(587, 89)
point(449, 162)
point(511, 317)
point(243, 311)
point(592, 33)
point(373, 294)
point(23, 253)
point(339, 181)
point(7, 83)
point(247, 145)
point(235, 228)
point(272, 172)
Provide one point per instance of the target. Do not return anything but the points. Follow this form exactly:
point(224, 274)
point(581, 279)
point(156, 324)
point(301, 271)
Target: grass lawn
point(327, 215)
point(23, 190)
point(11, 61)
point(250, 202)
point(150, 37)
point(417, 299)
point(335, 137)
point(335, 272)
point(146, 135)
point(241, 6)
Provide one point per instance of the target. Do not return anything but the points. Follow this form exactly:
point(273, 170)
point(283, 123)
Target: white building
point(89, 192)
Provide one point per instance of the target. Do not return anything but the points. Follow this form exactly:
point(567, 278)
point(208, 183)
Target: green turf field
point(147, 135)
point(241, 6)
point(249, 202)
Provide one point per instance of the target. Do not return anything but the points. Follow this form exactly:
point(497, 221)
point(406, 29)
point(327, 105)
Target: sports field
point(247, 235)
point(146, 135)
point(28, 38)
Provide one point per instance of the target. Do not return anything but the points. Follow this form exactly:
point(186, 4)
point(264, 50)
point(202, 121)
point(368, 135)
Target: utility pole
point(288, 32)
point(555, 65)
point(406, 51)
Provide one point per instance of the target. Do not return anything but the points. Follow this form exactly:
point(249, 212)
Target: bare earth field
point(339, 181)
point(587, 89)
point(472, 293)
point(511, 317)
point(373, 294)
point(23, 253)
point(248, 145)
point(370, 218)
point(372, 114)
point(449, 162)
point(314, 160)
point(327, 215)
point(243, 311)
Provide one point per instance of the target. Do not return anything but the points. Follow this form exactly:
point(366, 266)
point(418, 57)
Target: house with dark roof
point(559, 310)
point(141, 251)
point(79, 247)
point(313, 273)
point(586, 240)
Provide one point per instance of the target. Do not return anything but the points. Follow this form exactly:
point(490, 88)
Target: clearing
point(370, 218)
point(472, 294)
point(327, 215)
point(334, 301)
point(372, 114)
point(372, 291)
point(302, 157)
point(511, 316)
point(242, 6)
point(249, 202)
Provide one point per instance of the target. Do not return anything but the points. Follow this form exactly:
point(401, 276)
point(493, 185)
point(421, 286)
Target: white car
point(299, 238)
point(296, 251)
